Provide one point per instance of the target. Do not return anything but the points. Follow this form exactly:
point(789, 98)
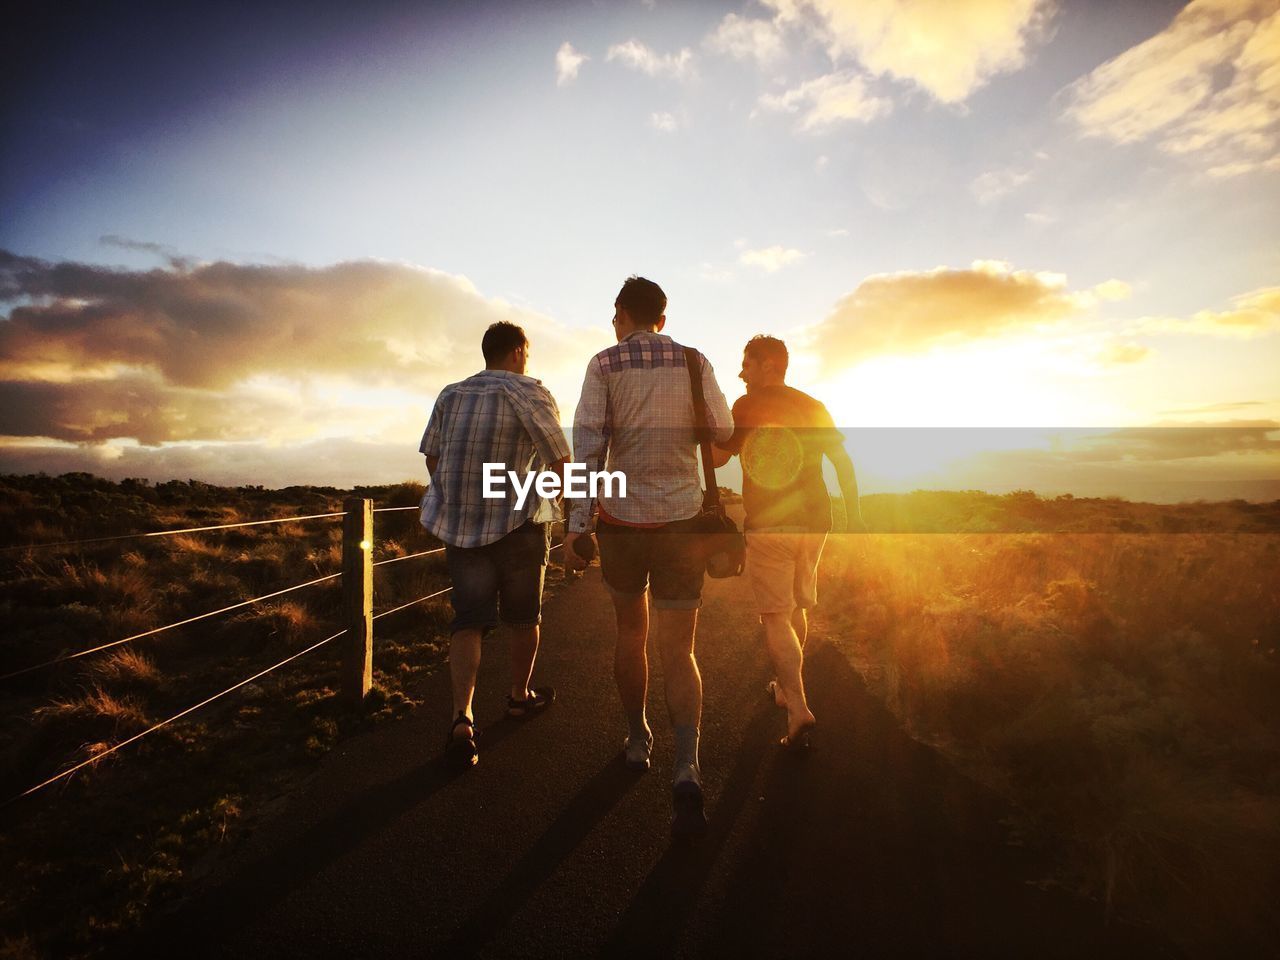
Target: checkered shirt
point(492, 417)
point(636, 415)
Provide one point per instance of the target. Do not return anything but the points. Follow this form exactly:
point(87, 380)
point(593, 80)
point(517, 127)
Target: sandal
point(539, 699)
point(460, 753)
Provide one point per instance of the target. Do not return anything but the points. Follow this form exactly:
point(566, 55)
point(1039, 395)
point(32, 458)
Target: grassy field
point(98, 853)
point(1123, 689)
point(1109, 666)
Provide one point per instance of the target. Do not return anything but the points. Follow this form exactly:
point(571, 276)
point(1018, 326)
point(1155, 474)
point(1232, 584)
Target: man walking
point(781, 435)
point(496, 551)
point(636, 416)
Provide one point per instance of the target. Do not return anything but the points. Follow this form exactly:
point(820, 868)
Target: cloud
point(1214, 408)
point(1253, 314)
point(568, 61)
point(994, 184)
point(834, 98)
point(948, 50)
point(225, 351)
point(144, 408)
point(714, 274)
point(770, 259)
point(1113, 290)
point(1206, 87)
point(913, 311)
point(664, 122)
point(1120, 354)
point(1179, 442)
point(638, 56)
point(159, 249)
point(743, 39)
point(1161, 463)
point(336, 462)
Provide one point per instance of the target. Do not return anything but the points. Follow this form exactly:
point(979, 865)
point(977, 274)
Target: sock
point(687, 753)
point(637, 728)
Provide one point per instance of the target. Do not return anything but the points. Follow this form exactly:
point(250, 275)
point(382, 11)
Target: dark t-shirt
point(780, 435)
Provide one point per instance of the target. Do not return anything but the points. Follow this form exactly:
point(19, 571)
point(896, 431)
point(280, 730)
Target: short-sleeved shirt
point(494, 416)
point(780, 435)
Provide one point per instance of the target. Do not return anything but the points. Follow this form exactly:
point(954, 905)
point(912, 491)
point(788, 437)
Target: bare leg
point(788, 661)
point(800, 624)
point(682, 680)
point(524, 651)
point(630, 659)
point(464, 662)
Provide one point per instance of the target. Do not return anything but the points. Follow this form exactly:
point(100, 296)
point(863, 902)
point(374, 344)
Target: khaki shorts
point(783, 568)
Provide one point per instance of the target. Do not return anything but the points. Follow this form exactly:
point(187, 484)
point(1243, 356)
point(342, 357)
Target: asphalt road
point(872, 845)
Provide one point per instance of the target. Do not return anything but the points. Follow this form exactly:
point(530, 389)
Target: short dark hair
point(643, 299)
point(763, 347)
point(500, 339)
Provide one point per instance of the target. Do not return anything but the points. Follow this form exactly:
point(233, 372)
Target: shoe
point(539, 699)
point(637, 752)
point(688, 821)
point(798, 742)
point(460, 753)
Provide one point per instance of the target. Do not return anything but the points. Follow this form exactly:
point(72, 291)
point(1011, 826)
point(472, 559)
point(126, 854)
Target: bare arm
point(848, 481)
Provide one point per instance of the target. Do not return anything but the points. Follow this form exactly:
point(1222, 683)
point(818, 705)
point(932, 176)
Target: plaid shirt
point(492, 417)
point(636, 415)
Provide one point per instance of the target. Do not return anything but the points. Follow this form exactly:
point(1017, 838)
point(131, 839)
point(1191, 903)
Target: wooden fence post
point(357, 599)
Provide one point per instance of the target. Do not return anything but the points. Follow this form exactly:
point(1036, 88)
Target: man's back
point(781, 435)
point(636, 415)
point(494, 416)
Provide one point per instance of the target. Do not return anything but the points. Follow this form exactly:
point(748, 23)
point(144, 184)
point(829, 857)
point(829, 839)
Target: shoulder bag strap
point(711, 496)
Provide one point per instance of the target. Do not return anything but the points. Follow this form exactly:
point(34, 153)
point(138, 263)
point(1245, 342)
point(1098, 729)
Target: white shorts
point(783, 567)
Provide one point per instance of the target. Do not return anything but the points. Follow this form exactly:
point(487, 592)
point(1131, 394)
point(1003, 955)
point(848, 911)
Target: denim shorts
point(667, 559)
point(499, 582)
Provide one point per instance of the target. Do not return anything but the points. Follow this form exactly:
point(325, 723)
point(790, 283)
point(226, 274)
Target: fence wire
point(170, 626)
point(164, 723)
point(69, 772)
point(412, 556)
point(165, 533)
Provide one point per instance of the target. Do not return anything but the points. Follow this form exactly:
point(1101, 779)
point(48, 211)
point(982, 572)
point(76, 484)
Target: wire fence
point(169, 626)
point(66, 774)
point(365, 550)
point(171, 533)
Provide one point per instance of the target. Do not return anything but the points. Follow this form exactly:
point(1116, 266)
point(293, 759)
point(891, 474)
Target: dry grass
point(125, 668)
point(1124, 689)
point(145, 817)
point(1121, 688)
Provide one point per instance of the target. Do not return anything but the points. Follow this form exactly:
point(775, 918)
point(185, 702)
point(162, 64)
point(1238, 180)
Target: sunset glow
point(259, 263)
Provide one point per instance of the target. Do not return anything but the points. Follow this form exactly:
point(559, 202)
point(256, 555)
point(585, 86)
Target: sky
point(1010, 243)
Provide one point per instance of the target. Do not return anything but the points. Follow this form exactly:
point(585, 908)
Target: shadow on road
point(252, 891)
point(574, 823)
point(875, 843)
point(655, 920)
